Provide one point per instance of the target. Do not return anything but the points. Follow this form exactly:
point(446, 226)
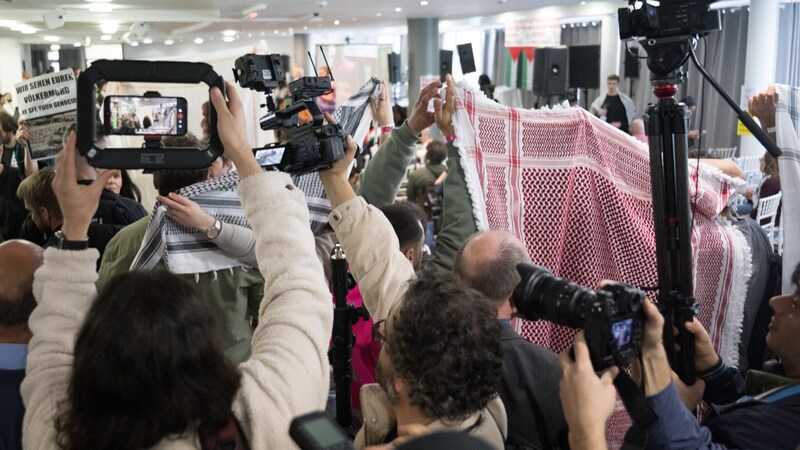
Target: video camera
point(672, 18)
point(612, 316)
point(308, 147)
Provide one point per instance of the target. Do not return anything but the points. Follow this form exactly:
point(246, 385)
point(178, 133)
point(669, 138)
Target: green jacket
point(235, 294)
point(382, 180)
point(419, 177)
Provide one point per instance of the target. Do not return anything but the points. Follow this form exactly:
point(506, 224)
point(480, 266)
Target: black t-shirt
point(616, 111)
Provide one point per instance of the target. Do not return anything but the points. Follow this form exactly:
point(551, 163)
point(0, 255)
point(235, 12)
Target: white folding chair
point(749, 163)
point(767, 210)
point(722, 152)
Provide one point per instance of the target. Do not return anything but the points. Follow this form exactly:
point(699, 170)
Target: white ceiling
point(189, 19)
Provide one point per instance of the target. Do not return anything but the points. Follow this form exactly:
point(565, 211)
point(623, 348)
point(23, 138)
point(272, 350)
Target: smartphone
point(153, 116)
point(316, 431)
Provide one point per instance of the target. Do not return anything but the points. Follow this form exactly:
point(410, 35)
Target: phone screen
point(134, 115)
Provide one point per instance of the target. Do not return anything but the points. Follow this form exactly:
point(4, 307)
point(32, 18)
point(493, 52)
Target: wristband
point(450, 139)
point(387, 129)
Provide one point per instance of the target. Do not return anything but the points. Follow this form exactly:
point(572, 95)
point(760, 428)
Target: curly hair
point(148, 363)
point(445, 345)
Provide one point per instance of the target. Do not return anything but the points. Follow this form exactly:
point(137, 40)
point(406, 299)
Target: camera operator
point(147, 343)
point(441, 359)
point(761, 411)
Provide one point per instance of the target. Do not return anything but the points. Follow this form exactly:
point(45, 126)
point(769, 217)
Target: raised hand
point(420, 118)
point(78, 202)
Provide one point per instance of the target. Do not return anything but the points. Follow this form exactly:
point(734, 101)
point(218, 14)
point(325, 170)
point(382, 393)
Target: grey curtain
point(725, 62)
point(788, 66)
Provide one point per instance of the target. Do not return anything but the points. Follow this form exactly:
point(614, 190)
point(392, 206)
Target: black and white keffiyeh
point(186, 250)
point(355, 117)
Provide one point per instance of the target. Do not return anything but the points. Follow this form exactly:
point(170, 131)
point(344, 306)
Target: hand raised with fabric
point(382, 108)
point(232, 130)
point(763, 106)
point(420, 118)
point(443, 111)
point(78, 202)
point(588, 400)
point(186, 212)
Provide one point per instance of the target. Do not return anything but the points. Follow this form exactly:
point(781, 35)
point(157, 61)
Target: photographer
point(151, 347)
point(761, 411)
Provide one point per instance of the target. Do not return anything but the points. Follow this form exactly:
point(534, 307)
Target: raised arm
point(457, 221)
point(64, 290)
point(368, 240)
point(287, 374)
point(386, 170)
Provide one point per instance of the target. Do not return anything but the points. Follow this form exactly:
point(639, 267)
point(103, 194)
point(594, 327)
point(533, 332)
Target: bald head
point(18, 261)
point(488, 263)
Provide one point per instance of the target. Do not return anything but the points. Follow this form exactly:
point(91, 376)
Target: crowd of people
point(121, 329)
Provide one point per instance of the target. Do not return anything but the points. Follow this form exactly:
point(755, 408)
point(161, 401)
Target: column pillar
point(423, 54)
point(609, 50)
point(762, 50)
point(11, 68)
point(302, 45)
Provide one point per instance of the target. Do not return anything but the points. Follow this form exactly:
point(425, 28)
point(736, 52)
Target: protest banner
point(48, 105)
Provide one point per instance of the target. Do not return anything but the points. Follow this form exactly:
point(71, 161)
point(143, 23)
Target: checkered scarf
point(186, 250)
point(577, 193)
point(787, 135)
point(355, 117)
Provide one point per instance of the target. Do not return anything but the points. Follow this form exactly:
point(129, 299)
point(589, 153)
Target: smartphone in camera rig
point(144, 115)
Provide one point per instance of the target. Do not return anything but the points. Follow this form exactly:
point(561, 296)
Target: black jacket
point(529, 390)
point(12, 209)
point(114, 213)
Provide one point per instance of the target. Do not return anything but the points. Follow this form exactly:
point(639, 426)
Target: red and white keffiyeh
point(577, 193)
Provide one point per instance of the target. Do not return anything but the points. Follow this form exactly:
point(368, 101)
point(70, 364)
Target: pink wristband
point(386, 130)
point(450, 139)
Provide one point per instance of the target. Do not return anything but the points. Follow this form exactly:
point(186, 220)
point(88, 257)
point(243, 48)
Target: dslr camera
point(612, 316)
point(307, 147)
point(672, 18)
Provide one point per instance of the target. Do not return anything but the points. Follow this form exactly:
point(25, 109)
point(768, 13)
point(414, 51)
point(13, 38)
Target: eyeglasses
point(378, 330)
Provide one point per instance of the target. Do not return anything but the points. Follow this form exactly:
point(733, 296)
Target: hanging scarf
point(355, 117)
point(187, 250)
point(787, 135)
point(576, 191)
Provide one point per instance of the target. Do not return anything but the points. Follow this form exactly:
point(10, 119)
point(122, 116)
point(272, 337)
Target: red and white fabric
point(576, 191)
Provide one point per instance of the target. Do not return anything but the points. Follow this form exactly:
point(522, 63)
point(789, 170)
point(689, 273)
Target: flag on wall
point(519, 67)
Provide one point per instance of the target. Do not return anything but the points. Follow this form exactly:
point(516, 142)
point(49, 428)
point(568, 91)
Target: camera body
point(308, 147)
point(672, 18)
point(612, 316)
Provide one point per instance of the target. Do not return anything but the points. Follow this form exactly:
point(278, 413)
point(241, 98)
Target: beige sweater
point(287, 374)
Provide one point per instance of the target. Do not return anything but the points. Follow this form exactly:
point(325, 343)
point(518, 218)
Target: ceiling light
point(249, 34)
point(168, 42)
point(98, 1)
point(55, 47)
point(109, 26)
point(398, 9)
point(276, 31)
point(198, 40)
point(262, 33)
point(105, 37)
point(305, 27)
point(28, 30)
point(77, 44)
point(228, 39)
point(336, 22)
point(229, 33)
point(147, 41)
point(379, 14)
point(52, 38)
point(134, 44)
point(423, 3)
point(101, 7)
point(583, 3)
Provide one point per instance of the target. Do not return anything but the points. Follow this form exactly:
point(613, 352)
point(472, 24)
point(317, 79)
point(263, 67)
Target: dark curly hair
point(148, 363)
point(445, 345)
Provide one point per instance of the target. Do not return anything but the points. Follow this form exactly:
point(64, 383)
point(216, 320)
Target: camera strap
point(640, 411)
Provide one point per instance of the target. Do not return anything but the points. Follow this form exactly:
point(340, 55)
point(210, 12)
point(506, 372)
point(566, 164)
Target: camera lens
point(540, 295)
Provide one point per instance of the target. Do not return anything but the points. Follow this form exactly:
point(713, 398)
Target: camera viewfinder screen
point(269, 156)
point(623, 332)
point(133, 115)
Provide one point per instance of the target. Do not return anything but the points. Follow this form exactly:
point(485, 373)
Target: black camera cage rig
point(151, 155)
